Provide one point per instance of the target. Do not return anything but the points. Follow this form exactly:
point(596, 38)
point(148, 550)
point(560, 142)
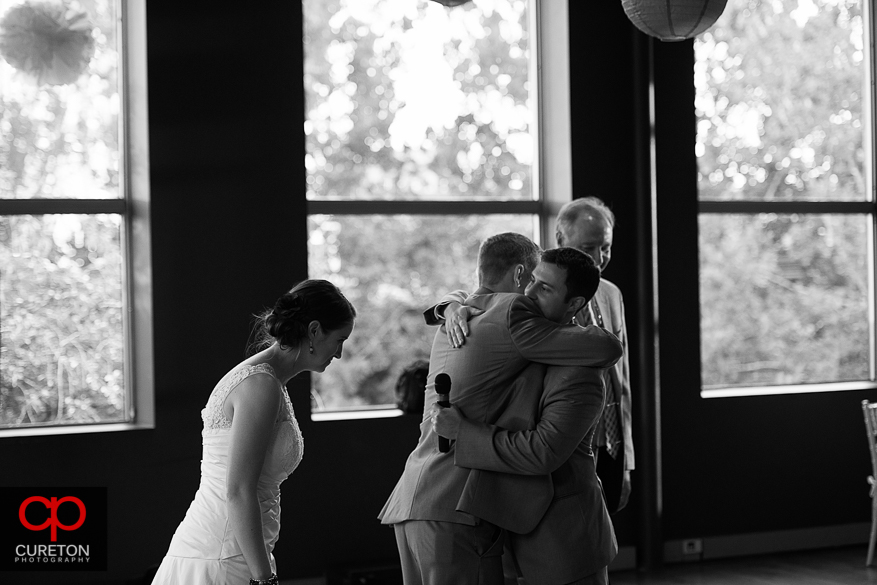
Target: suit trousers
point(601, 577)
point(513, 576)
point(611, 473)
point(447, 553)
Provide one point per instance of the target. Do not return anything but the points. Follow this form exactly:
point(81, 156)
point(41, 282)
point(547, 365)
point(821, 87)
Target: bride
point(252, 442)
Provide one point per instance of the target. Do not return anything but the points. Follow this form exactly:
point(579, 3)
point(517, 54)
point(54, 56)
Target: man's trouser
point(446, 553)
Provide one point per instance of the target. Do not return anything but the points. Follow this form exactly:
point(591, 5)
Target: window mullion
point(840, 207)
point(423, 207)
point(61, 206)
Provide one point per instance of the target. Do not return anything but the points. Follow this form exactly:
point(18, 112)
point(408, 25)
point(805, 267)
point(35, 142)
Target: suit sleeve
point(540, 340)
point(573, 403)
point(431, 317)
point(623, 369)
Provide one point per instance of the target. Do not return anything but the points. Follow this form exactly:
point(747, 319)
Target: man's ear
point(519, 271)
point(577, 303)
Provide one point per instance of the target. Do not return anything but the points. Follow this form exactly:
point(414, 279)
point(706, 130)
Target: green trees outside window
point(420, 140)
point(62, 228)
point(786, 225)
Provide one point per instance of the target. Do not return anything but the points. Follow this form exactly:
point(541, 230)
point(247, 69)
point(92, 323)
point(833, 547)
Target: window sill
point(790, 389)
point(356, 413)
point(44, 431)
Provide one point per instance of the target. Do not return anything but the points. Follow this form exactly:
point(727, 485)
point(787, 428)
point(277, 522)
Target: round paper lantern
point(673, 20)
point(451, 2)
point(47, 41)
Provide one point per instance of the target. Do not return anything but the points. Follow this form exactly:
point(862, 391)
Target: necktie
point(610, 412)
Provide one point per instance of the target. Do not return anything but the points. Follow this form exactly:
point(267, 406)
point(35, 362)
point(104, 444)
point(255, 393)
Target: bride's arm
point(254, 405)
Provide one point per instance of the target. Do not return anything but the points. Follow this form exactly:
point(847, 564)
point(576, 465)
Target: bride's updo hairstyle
point(309, 300)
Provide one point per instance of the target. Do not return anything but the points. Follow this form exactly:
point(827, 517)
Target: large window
point(786, 201)
point(421, 142)
point(71, 213)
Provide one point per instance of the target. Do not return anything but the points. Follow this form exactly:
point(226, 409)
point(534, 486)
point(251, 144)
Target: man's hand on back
point(457, 322)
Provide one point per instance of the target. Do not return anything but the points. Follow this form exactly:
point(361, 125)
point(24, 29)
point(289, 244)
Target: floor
point(837, 566)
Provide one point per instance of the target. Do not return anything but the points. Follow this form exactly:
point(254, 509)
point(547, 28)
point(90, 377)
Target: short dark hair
point(582, 274)
point(573, 210)
point(501, 252)
point(309, 300)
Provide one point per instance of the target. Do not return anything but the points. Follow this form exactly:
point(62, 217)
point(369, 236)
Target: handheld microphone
point(443, 389)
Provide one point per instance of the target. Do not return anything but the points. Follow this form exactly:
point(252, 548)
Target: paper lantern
point(47, 41)
point(673, 20)
point(451, 2)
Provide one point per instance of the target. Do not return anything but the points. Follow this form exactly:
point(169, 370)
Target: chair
point(870, 411)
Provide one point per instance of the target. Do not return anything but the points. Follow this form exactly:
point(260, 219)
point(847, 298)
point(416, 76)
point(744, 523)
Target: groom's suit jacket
point(543, 433)
point(504, 339)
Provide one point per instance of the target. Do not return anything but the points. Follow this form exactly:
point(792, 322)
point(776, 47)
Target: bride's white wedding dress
point(204, 550)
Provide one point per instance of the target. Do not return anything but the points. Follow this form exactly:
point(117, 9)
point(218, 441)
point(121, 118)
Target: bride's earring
point(311, 348)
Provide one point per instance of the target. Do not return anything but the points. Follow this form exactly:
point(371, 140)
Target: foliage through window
point(62, 215)
point(786, 223)
point(420, 142)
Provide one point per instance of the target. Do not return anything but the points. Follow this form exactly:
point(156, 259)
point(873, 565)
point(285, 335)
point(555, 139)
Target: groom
point(439, 545)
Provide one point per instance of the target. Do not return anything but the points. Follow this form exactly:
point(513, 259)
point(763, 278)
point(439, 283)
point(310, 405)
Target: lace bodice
point(215, 420)
point(212, 414)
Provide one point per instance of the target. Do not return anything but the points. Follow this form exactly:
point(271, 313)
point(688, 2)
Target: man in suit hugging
point(587, 224)
point(547, 432)
point(439, 542)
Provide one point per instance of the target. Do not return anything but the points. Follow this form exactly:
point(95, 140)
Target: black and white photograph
point(438, 292)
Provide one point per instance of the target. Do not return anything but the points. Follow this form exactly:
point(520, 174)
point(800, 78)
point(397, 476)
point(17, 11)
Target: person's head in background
point(506, 262)
point(586, 224)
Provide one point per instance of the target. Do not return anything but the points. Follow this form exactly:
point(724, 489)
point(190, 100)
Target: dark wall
point(229, 235)
point(606, 68)
point(230, 227)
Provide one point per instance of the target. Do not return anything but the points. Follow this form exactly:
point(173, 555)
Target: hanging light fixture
point(451, 2)
point(673, 20)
